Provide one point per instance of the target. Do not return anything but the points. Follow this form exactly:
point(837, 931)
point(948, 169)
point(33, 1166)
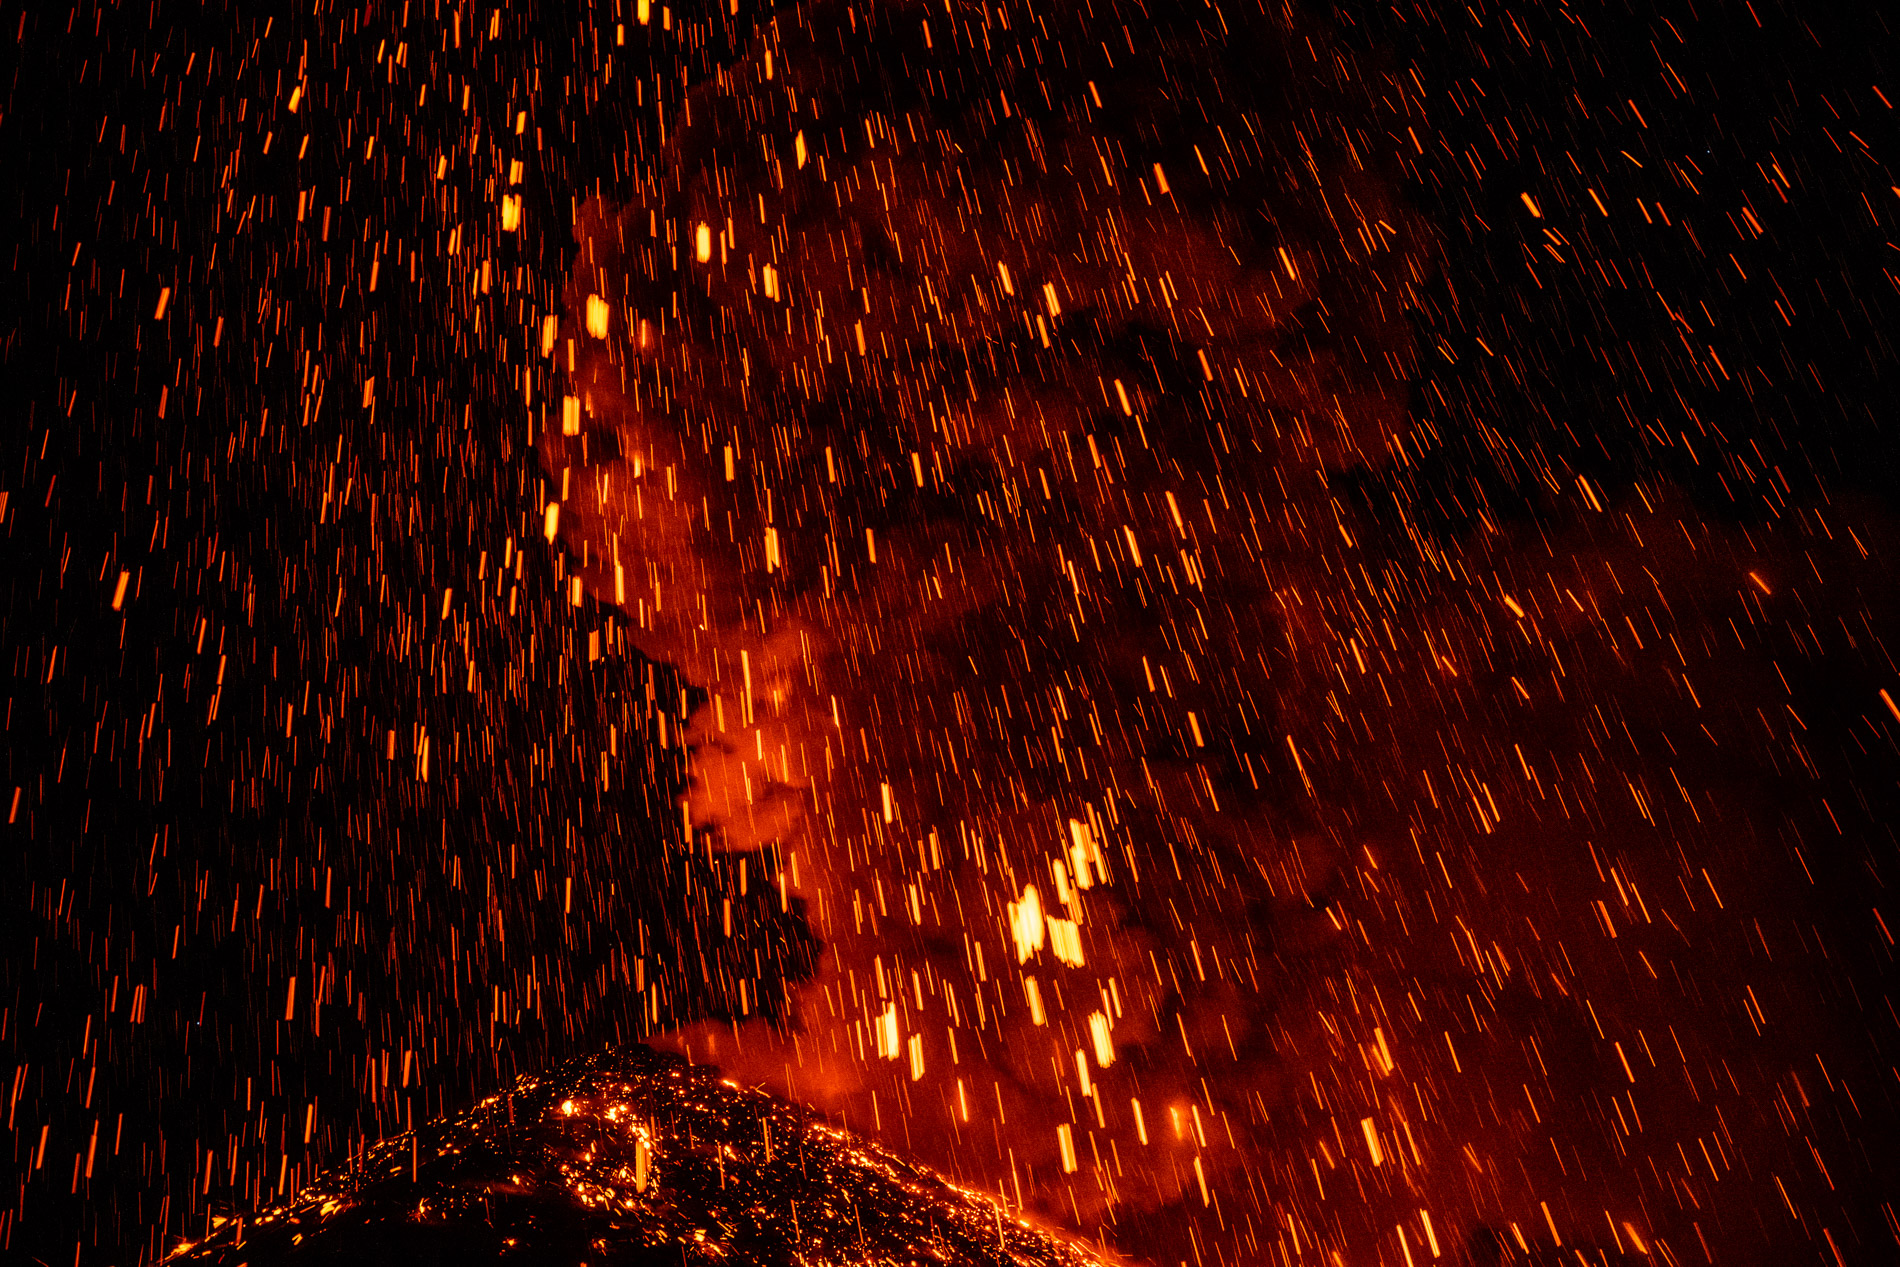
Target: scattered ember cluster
point(1262, 633)
point(337, 814)
point(633, 1157)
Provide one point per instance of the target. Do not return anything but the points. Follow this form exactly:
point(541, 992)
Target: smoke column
point(965, 405)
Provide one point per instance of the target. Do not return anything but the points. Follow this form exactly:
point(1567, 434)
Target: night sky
point(336, 802)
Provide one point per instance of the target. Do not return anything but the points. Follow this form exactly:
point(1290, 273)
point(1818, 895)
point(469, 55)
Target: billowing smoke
point(957, 409)
point(999, 415)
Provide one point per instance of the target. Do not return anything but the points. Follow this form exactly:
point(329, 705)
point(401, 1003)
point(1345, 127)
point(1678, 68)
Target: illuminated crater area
point(633, 1157)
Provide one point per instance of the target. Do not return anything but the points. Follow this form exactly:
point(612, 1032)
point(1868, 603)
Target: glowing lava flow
point(632, 1157)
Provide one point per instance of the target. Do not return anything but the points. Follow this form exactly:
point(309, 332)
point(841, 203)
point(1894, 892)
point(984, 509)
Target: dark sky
point(236, 915)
